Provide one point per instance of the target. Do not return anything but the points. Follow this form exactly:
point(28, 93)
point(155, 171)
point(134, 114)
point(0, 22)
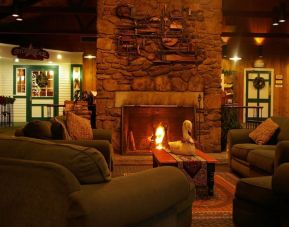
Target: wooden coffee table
point(163, 158)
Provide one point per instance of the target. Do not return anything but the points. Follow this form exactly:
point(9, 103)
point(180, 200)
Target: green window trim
point(72, 79)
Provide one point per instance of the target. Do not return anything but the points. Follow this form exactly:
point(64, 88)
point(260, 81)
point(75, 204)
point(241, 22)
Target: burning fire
point(159, 136)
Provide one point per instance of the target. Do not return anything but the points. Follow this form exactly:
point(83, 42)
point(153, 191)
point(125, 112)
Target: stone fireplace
point(153, 74)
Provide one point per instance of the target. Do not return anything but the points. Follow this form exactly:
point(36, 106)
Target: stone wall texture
point(119, 73)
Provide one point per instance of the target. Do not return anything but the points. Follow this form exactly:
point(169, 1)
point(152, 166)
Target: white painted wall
point(6, 75)
point(64, 83)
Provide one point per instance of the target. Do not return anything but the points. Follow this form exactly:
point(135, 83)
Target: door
point(42, 89)
point(258, 93)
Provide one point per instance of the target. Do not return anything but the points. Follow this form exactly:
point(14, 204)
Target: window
point(20, 81)
point(42, 83)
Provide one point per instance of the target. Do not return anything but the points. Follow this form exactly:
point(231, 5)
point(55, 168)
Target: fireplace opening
point(149, 127)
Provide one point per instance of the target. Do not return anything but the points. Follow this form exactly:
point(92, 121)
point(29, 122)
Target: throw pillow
point(38, 129)
point(78, 127)
point(263, 133)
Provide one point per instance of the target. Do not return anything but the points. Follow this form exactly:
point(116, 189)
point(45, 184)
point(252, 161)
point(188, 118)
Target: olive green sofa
point(56, 185)
point(264, 201)
point(54, 130)
point(249, 159)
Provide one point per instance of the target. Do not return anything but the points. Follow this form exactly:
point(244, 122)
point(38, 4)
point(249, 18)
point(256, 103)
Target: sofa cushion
point(38, 129)
point(262, 159)
point(78, 127)
point(56, 129)
point(61, 124)
point(87, 164)
point(263, 133)
point(257, 190)
point(242, 150)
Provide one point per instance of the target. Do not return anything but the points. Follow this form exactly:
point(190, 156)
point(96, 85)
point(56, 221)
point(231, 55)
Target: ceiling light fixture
point(235, 58)
point(275, 23)
point(282, 13)
point(275, 13)
point(279, 14)
point(59, 56)
point(89, 56)
point(19, 18)
point(15, 14)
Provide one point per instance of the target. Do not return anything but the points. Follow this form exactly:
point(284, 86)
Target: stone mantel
point(158, 98)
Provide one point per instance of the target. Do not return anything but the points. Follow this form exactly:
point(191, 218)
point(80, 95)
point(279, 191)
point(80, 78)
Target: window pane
point(42, 83)
point(20, 81)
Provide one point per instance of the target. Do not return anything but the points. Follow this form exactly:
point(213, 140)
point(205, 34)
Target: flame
point(159, 136)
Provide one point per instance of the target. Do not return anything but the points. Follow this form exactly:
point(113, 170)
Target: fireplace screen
point(151, 127)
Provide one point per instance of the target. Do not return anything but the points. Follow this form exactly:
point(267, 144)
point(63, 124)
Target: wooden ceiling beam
point(240, 13)
point(47, 33)
point(250, 34)
point(51, 10)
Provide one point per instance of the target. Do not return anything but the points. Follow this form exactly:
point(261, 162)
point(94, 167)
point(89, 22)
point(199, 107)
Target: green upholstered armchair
point(264, 201)
point(249, 159)
point(58, 185)
point(54, 130)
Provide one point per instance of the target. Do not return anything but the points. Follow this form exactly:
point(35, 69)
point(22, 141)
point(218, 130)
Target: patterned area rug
point(215, 211)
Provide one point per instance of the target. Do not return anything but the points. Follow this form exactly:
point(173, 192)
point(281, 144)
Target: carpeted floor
point(215, 211)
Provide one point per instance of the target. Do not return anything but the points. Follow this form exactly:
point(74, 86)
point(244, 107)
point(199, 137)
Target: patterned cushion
point(78, 128)
point(263, 133)
point(68, 105)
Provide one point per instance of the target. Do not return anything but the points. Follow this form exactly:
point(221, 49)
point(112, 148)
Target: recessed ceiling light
point(59, 56)
point(235, 58)
point(15, 15)
point(19, 19)
point(16, 60)
point(89, 56)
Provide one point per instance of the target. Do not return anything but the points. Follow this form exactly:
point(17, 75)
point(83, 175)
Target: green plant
point(230, 120)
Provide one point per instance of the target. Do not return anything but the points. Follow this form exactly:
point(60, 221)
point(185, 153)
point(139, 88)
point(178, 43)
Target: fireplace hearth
point(142, 126)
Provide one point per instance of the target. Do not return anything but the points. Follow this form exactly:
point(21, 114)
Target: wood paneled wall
point(276, 56)
point(89, 81)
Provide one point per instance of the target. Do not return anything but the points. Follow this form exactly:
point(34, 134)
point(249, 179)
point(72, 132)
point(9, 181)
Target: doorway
point(38, 84)
point(258, 92)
